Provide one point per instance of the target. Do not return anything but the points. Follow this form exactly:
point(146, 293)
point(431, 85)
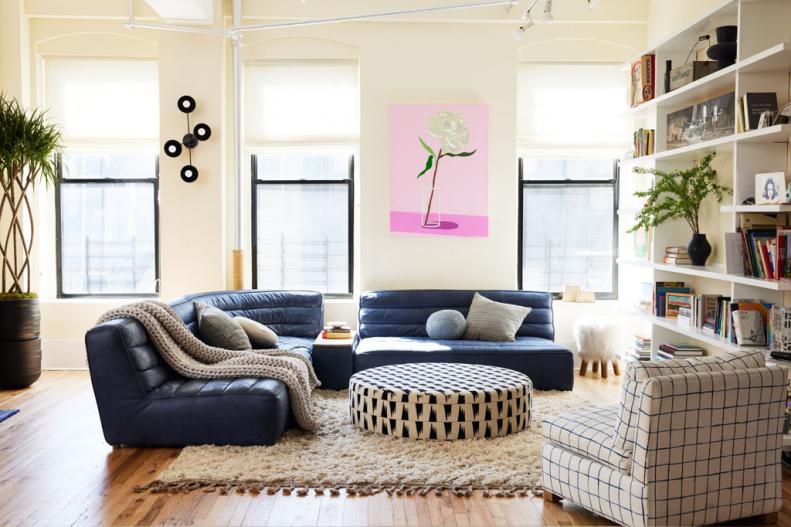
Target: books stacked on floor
point(677, 256)
point(679, 351)
point(643, 142)
point(765, 244)
point(641, 350)
point(337, 330)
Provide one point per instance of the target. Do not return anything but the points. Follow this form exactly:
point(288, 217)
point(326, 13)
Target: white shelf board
point(696, 333)
point(712, 272)
point(772, 134)
point(770, 209)
point(679, 42)
point(776, 58)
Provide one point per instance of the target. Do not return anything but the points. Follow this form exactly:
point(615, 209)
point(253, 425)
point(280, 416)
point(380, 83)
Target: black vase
point(20, 344)
point(699, 249)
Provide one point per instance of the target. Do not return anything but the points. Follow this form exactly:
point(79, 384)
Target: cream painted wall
point(665, 17)
point(459, 61)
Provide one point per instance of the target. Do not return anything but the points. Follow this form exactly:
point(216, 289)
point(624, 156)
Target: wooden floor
point(56, 469)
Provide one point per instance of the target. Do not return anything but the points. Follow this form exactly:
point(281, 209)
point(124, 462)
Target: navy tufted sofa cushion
point(142, 401)
point(392, 330)
point(404, 313)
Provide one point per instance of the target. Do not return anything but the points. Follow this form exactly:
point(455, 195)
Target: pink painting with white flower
point(439, 158)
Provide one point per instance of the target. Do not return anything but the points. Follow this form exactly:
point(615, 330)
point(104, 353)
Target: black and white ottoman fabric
point(440, 401)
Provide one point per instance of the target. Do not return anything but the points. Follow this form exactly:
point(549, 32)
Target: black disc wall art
point(189, 173)
point(190, 140)
point(202, 131)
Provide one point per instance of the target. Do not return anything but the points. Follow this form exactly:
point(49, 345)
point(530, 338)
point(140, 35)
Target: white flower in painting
point(449, 128)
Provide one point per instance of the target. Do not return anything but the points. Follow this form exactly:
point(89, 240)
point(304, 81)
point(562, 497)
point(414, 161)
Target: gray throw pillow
point(490, 320)
point(445, 325)
point(261, 337)
point(218, 329)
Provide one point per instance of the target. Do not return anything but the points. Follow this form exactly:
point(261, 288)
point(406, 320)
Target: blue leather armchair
point(392, 330)
point(142, 401)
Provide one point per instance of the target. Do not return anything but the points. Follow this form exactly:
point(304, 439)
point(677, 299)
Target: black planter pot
point(20, 345)
point(699, 249)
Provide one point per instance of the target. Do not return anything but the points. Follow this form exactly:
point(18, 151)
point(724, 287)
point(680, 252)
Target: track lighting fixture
point(547, 16)
point(527, 23)
point(593, 3)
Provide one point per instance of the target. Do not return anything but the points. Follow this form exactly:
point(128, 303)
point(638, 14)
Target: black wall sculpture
point(191, 139)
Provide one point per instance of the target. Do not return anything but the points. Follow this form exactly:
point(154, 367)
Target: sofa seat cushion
point(589, 432)
point(299, 344)
point(548, 364)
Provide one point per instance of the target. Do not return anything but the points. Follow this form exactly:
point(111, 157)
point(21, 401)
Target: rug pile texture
point(341, 456)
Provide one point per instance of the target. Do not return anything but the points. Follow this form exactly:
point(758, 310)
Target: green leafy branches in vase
point(678, 195)
point(448, 127)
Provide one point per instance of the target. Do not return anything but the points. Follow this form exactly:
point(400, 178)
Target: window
point(302, 132)
point(568, 225)
point(302, 226)
point(107, 211)
point(569, 136)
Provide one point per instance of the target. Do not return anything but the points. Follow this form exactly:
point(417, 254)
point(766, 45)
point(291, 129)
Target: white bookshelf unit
point(763, 64)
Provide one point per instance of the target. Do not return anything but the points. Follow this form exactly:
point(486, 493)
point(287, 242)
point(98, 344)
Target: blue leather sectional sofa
point(142, 401)
point(392, 330)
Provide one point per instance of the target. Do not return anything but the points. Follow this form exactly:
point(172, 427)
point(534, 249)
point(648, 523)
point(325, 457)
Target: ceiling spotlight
point(547, 16)
point(519, 33)
point(593, 3)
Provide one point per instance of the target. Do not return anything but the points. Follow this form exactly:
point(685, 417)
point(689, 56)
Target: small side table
point(333, 361)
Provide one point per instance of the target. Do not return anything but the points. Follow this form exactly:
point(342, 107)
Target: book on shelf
point(643, 142)
point(676, 301)
point(748, 328)
point(677, 256)
point(677, 351)
point(734, 254)
point(753, 104)
point(765, 246)
point(643, 80)
point(661, 289)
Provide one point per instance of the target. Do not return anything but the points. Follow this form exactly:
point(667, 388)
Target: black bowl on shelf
point(724, 53)
point(727, 34)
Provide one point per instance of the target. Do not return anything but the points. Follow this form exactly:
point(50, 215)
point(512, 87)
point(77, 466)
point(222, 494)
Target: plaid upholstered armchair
point(693, 442)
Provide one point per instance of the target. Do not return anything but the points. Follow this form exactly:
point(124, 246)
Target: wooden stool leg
point(583, 368)
point(616, 368)
point(604, 369)
point(595, 366)
point(550, 497)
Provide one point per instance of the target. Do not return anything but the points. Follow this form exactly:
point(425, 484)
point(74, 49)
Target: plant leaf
point(460, 154)
point(429, 164)
point(428, 148)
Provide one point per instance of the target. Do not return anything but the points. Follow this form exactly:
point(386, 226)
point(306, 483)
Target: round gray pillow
point(446, 325)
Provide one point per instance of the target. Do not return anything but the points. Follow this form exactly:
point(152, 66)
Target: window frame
point(524, 184)
point(154, 181)
point(348, 182)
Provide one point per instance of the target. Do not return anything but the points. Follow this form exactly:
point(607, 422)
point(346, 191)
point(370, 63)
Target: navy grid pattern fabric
point(594, 486)
point(588, 432)
point(709, 444)
point(638, 372)
point(440, 401)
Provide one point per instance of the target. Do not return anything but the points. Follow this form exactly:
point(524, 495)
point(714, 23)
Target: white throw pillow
point(261, 337)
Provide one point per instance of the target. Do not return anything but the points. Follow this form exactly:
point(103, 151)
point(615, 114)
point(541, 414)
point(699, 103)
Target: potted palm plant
point(678, 195)
point(28, 144)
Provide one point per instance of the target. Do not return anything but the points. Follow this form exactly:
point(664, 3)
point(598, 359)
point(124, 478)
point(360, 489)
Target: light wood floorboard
point(56, 469)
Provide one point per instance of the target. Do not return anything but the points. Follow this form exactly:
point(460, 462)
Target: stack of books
point(337, 330)
point(643, 140)
point(677, 351)
point(677, 256)
point(641, 349)
point(765, 243)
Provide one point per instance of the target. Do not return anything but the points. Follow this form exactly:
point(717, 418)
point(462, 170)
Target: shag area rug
point(341, 456)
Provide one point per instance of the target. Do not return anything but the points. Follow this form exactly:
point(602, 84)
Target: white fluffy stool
point(597, 342)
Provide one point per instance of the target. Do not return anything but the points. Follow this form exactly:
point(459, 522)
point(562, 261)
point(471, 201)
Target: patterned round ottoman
point(440, 401)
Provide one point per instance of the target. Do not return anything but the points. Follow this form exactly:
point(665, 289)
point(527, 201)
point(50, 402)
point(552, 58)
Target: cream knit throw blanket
point(194, 359)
